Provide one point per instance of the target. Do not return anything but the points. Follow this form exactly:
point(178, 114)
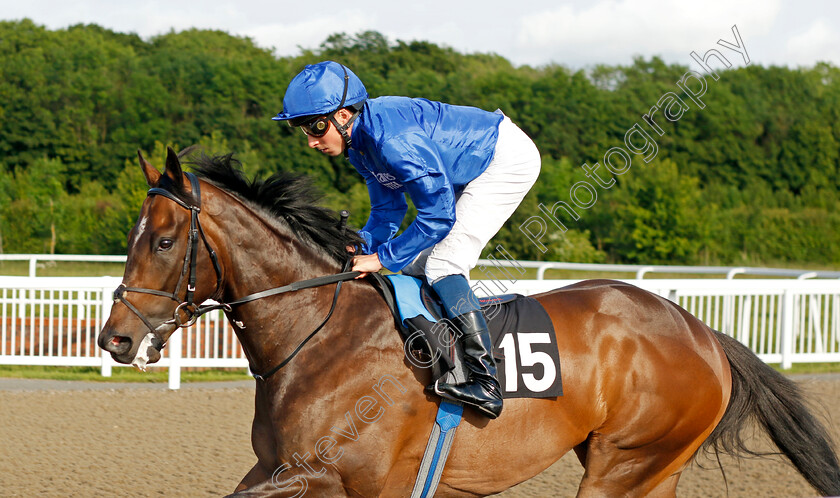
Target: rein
point(189, 270)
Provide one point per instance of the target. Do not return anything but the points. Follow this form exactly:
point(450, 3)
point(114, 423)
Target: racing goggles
point(317, 127)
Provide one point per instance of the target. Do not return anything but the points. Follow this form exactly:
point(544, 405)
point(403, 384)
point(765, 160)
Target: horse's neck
point(262, 254)
point(261, 251)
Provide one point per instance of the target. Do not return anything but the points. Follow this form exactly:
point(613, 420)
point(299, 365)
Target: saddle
point(524, 344)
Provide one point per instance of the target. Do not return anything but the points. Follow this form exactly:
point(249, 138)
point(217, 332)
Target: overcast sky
point(575, 33)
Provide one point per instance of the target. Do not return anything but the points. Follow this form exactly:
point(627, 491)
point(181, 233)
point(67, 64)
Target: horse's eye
point(165, 244)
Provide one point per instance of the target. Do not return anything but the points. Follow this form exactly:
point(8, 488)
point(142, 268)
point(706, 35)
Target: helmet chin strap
point(343, 130)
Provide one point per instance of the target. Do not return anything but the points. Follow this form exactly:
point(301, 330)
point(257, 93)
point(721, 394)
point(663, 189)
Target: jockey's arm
point(417, 165)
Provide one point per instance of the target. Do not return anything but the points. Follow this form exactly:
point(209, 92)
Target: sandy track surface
point(71, 439)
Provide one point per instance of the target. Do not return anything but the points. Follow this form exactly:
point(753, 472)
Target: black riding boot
point(482, 390)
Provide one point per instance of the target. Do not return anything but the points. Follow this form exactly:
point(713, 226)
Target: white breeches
point(483, 207)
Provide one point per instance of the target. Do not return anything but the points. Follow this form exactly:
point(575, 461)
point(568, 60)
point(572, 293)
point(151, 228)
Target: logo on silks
point(387, 180)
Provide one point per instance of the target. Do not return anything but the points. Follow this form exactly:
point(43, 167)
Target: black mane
point(289, 197)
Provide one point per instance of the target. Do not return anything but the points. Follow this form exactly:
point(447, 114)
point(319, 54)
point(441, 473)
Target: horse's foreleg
point(264, 444)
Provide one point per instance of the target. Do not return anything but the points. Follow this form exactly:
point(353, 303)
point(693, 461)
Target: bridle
point(188, 272)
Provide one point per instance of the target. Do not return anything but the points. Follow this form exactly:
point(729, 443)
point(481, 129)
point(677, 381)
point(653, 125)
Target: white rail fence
point(783, 321)
point(494, 268)
point(56, 320)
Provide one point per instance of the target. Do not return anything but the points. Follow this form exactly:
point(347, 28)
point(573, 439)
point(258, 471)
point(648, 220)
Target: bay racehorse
point(647, 385)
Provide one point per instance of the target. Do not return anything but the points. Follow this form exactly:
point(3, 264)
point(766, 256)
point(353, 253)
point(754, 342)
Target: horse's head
point(171, 268)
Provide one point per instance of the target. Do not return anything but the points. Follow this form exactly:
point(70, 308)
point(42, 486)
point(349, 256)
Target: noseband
point(188, 271)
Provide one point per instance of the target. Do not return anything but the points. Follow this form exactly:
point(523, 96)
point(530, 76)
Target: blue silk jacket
point(429, 150)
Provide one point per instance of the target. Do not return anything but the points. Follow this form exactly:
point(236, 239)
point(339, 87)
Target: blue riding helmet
point(321, 89)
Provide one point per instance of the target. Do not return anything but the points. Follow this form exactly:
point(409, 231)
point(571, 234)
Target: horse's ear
point(173, 166)
point(150, 172)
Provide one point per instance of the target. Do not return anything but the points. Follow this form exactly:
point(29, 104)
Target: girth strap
point(447, 420)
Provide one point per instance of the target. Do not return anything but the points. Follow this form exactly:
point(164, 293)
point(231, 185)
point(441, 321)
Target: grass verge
point(809, 368)
point(129, 374)
point(121, 374)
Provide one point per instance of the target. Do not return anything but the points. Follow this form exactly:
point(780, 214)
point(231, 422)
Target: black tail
point(776, 403)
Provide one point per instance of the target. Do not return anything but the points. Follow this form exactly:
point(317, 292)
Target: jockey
point(465, 169)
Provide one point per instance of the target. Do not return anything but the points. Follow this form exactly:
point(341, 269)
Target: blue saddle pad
point(416, 299)
point(407, 295)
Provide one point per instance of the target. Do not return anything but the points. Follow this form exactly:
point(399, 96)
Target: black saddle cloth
point(524, 343)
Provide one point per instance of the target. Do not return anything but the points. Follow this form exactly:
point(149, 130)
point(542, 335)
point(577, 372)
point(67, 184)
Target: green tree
point(77, 103)
point(6, 181)
point(656, 215)
point(35, 206)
